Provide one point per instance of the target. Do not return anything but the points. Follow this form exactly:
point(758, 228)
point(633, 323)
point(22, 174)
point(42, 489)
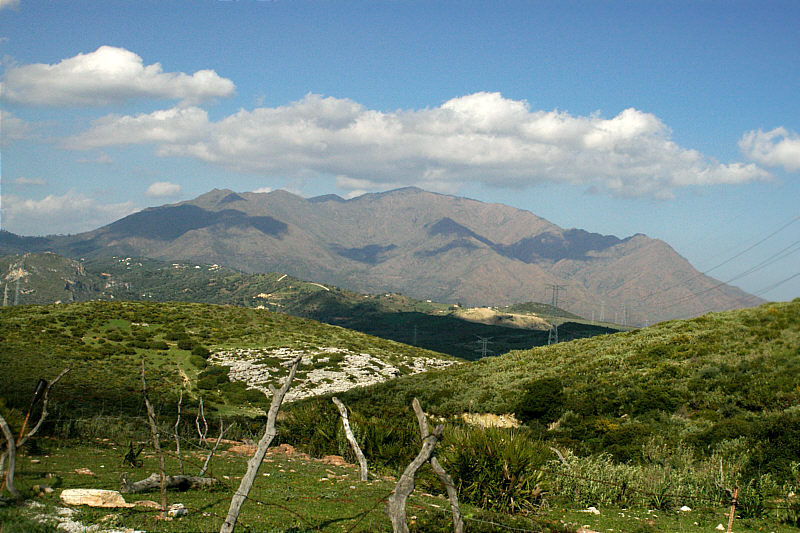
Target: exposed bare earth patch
point(487, 315)
point(487, 420)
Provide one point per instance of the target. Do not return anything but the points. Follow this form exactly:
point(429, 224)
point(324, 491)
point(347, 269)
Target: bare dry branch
point(362, 461)
point(252, 465)
point(11, 454)
point(38, 425)
point(222, 431)
point(154, 482)
point(151, 417)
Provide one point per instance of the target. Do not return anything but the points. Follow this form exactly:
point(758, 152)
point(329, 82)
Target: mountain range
point(422, 244)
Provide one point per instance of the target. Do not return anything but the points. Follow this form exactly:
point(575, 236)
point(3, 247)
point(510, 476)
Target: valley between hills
point(607, 427)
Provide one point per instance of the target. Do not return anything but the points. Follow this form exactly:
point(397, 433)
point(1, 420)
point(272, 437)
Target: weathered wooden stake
point(151, 417)
point(396, 507)
point(733, 509)
point(177, 439)
point(252, 465)
point(362, 461)
point(444, 477)
point(11, 454)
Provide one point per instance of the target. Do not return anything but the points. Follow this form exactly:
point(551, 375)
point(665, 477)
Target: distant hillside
point(48, 278)
point(223, 353)
point(425, 245)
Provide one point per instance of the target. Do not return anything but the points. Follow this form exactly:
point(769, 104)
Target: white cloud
point(14, 4)
point(263, 189)
point(170, 126)
point(105, 76)
point(71, 213)
point(29, 181)
point(13, 128)
point(481, 137)
point(776, 148)
point(162, 189)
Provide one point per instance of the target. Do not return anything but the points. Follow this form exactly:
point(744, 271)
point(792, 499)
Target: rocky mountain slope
point(425, 245)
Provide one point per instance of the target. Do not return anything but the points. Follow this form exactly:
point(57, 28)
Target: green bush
point(542, 400)
point(213, 377)
point(496, 469)
point(201, 351)
point(185, 344)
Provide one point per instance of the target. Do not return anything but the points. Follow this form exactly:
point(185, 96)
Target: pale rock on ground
point(355, 370)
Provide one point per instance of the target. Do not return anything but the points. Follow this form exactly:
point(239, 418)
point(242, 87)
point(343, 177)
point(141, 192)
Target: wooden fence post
point(252, 465)
point(733, 509)
point(362, 461)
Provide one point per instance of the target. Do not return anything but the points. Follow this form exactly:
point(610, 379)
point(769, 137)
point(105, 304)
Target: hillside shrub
point(201, 351)
point(496, 469)
point(185, 344)
point(213, 377)
point(542, 400)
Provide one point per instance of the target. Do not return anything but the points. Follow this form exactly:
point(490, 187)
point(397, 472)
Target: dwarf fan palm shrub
point(496, 469)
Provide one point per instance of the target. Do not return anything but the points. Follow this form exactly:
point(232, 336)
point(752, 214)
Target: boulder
point(94, 498)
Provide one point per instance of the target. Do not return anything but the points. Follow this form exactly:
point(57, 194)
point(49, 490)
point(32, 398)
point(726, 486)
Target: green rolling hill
point(42, 278)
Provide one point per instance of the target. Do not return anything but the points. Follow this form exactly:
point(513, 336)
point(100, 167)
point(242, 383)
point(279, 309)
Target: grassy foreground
point(294, 493)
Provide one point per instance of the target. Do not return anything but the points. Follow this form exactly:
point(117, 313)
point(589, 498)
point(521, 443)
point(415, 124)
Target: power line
point(726, 261)
point(782, 254)
point(776, 285)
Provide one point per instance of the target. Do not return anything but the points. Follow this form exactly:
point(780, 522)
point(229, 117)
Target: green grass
point(293, 493)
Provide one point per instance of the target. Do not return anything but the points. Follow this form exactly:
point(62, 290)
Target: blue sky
point(675, 119)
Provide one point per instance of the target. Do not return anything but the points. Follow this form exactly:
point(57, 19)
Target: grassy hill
point(106, 342)
point(696, 383)
point(47, 278)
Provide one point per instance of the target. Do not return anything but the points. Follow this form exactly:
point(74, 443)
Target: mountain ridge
point(415, 242)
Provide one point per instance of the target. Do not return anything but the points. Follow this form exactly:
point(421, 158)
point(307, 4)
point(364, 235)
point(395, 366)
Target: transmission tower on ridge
point(484, 342)
point(556, 289)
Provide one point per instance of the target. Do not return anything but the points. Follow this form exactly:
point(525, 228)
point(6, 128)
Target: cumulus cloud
point(13, 128)
point(178, 125)
point(71, 213)
point(263, 189)
point(776, 148)
point(162, 189)
point(105, 76)
point(480, 137)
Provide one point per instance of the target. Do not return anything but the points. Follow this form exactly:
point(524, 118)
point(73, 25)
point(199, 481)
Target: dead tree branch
point(177, 439)
point(222, 431)
point(24, 438)
point(252, 465)
point(444, 477)
point(12, 445)
point(151, 417)
point(201, 415)
point(362, 461)
point(396, 507)
point(153, 482)
point(11, 453)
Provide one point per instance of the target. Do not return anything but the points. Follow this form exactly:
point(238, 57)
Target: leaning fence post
point(733, 509)
point(362, 461)
point(255, 461)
